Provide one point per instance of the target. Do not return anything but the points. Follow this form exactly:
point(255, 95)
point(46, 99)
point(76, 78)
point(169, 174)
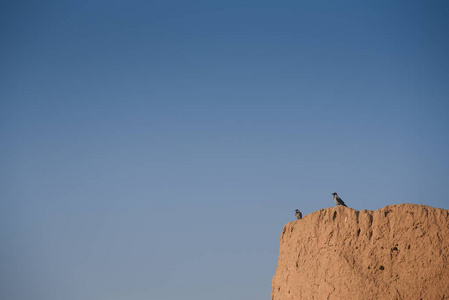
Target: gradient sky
point(155, 149)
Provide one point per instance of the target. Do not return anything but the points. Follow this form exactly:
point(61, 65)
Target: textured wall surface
point(396, 252)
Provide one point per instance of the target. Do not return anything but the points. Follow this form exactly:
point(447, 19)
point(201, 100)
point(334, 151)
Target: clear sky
point(155, 149)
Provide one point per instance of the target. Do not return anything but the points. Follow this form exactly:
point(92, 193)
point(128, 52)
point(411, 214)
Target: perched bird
point(338, 200)
point(298, 214)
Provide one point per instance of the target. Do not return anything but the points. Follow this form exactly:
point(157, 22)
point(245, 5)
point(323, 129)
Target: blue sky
point(155, 149)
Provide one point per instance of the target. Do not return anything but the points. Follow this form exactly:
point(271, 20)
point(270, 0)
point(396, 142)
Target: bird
point(338, 200)
point(298, 214)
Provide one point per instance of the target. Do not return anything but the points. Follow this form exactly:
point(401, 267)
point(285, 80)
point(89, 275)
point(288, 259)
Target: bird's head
point(296, 210)
point(334, 194)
